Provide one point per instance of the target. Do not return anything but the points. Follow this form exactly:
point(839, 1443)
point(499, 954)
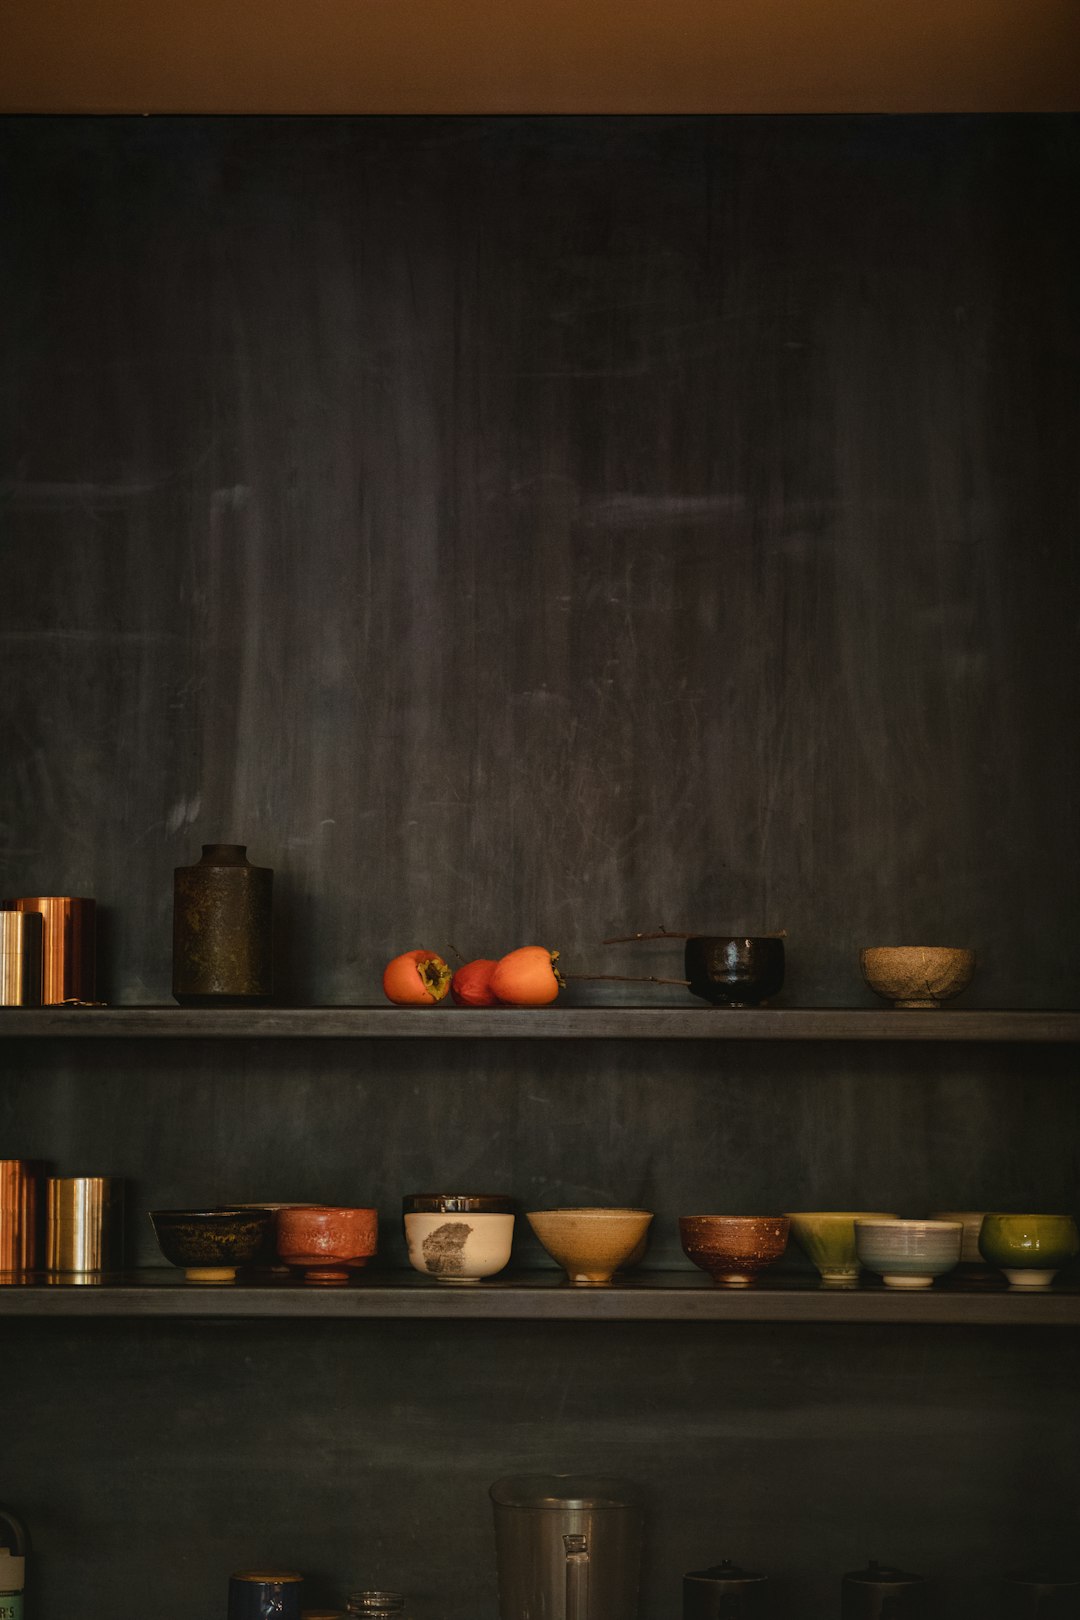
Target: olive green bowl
point(1029, 1249)
point(827, 1237)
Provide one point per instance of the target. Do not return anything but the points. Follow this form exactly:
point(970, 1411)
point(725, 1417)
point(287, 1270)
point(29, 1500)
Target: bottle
point(223, 952)
point(378, 1605)
point(14, 1546)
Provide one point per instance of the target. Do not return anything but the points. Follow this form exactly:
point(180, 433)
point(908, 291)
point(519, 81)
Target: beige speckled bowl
point(917, 975)
point(590, 1244)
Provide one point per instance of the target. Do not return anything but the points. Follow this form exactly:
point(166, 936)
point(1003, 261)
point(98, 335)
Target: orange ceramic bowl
point(326, 1242)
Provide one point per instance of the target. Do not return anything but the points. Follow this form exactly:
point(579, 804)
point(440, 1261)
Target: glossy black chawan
point(734, 971)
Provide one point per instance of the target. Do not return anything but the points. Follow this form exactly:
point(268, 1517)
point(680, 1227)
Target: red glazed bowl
point(325, 1242)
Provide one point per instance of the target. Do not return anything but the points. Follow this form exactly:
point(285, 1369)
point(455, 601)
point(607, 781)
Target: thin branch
point(665, 933)
point(626, 978)
point(660, 933)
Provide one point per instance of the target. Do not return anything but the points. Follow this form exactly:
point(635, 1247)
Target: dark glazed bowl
point(732, 971)
point(210, 1243)
point(734, 1249)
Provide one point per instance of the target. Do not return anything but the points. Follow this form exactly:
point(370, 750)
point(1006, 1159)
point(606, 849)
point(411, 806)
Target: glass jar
point(378, 1605)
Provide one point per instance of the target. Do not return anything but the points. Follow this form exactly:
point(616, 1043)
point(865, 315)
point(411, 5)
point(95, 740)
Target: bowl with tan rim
point(591, 1245)
point(917, 975)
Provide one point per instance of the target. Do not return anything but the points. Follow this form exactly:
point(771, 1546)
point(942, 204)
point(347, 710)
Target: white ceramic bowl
point(458, 1247)
point(908, 1254)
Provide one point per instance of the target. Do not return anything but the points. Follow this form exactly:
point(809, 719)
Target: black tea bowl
point(734, 971)
point(210, 1243)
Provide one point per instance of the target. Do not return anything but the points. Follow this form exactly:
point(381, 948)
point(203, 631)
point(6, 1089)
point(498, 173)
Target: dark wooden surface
point(528, 530)
point(671, 1296)
point(549, 1023)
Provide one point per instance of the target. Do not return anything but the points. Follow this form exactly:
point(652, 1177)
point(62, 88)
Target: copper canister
point(69, 947)
point(84, 1223)
point(20, 1193)
point(20, 958)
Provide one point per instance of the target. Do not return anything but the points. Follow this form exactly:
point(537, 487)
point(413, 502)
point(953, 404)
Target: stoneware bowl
point(210, 1243)
point(908, 1254)
point(458, 1237)
point(325, 1242)
point(917, 975)
point(734, 1249)
point(1029, 1249)
point(591, 1245)
point(734, 971)
point(971, 1220)
point(828, 1239)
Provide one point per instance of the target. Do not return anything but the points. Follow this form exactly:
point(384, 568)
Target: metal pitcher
point(568, 1547)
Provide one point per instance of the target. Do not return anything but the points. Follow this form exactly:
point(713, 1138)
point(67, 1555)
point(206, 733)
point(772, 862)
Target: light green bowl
point(1029, 1249)
point(827, 1237)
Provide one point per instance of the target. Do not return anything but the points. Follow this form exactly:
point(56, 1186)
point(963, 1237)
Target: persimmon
point(527, 977)
point(416, 979)
point(471, 984)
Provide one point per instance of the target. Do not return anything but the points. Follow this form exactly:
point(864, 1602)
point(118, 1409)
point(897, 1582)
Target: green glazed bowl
point(1029, 1249)
point(827, 1237)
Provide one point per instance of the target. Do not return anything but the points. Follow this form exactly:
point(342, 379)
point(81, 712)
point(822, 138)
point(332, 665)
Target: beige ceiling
point(352, 56)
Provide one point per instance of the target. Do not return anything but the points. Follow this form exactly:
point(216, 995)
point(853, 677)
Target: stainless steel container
point(20, 958)
point(84, 1228)
point(69, 971)
point(568, 1547)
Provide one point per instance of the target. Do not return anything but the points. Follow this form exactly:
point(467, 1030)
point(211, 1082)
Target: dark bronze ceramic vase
point(223, 930)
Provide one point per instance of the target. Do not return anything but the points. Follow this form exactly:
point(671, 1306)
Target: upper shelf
point(550, 1023)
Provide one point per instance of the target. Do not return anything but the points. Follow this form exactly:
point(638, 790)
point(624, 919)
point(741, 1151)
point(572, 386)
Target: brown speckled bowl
point(733, 1249)
point(326, 1242)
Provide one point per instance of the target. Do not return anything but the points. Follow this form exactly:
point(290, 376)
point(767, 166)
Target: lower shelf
point(659, 1296)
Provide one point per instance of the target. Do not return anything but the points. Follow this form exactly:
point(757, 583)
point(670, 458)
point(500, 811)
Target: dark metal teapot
point(724, 1592)
point(1037, 1595)
point(880, 1592)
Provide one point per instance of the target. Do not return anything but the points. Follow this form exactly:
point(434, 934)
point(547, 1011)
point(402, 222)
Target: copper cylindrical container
point(70, 945)
point(84, 1223)
point(20, 1194)
point(20, 958)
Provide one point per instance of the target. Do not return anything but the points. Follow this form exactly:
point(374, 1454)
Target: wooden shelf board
point(673, 1296)
point(550, 1023)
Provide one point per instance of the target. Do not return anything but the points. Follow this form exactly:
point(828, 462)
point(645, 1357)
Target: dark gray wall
point(536, 530)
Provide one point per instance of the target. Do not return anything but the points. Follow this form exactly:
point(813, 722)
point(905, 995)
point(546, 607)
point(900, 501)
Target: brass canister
point(20, 1194)
point(20, 958)
point(84, 1223)
point(69, 945)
